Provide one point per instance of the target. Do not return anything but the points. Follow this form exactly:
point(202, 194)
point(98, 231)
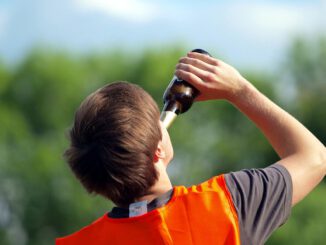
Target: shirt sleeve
point(262, 198)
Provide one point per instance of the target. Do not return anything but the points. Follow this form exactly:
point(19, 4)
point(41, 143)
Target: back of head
point(113, 140)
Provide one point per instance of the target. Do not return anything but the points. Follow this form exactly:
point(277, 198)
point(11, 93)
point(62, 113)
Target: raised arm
point(300, 151)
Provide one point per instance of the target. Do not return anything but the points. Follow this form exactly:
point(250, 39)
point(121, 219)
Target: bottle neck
point(167, 118)
point(170, 111)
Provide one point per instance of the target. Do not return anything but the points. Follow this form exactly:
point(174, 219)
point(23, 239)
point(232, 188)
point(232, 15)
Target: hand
point(212, 77)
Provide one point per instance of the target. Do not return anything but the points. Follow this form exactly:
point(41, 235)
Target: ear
point(159, 153)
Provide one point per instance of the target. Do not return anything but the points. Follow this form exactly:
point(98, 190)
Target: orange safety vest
point(202, 214)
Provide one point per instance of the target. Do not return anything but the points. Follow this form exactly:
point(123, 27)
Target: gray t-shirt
point(262, 198)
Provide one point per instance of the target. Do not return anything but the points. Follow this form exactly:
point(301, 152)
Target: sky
point(244, 33)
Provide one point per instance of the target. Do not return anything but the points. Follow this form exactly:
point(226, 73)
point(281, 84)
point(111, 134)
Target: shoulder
point(212, 191)
point(214, 184)
point(262, 198)
point(258, 181)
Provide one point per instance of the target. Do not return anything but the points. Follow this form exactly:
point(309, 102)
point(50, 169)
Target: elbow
point(323, 159)
point(320, 161)
point(318, 157)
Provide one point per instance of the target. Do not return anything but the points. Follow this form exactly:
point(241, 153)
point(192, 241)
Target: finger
point(204, 76)
point(190, 78)
point(200, 97)
point(200, 73)
point(205, 58)
point(198, 63)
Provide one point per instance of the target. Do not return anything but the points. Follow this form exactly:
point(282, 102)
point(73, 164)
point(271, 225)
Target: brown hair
point(113, 140)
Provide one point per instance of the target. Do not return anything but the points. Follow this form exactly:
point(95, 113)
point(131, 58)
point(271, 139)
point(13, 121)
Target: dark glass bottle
point(178, 97)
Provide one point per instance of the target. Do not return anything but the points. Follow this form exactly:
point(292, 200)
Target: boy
point(120, 150)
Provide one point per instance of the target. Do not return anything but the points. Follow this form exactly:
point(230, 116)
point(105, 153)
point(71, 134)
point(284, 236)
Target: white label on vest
point(137, 208)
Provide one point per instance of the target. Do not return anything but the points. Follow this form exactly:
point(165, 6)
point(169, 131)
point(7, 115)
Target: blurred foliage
point(39, 196)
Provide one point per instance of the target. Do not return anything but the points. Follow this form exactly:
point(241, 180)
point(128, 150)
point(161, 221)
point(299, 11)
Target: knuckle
point(189, 77)
point(210, 77)
point(194, 62)
point(215, 62)
point(188, 68)
point(215, 70)
point(178, 73)
point(181, 66)
point(182, 59)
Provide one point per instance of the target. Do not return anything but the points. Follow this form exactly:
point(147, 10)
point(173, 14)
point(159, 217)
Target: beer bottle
point(178, 97)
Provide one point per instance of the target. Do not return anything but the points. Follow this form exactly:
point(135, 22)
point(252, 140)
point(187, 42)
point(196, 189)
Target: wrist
point(244, 92)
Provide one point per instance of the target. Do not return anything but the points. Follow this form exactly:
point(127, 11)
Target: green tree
point(39, 197)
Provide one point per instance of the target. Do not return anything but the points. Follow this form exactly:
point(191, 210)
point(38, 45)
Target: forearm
point(300, 151)
point(284, 132)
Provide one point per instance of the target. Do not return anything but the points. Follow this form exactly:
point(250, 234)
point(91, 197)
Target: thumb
point(200, 97)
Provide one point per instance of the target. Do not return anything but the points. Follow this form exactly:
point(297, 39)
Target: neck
point(161, 186)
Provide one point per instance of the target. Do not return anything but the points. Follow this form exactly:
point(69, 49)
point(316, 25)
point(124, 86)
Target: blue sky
point(245, 33)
